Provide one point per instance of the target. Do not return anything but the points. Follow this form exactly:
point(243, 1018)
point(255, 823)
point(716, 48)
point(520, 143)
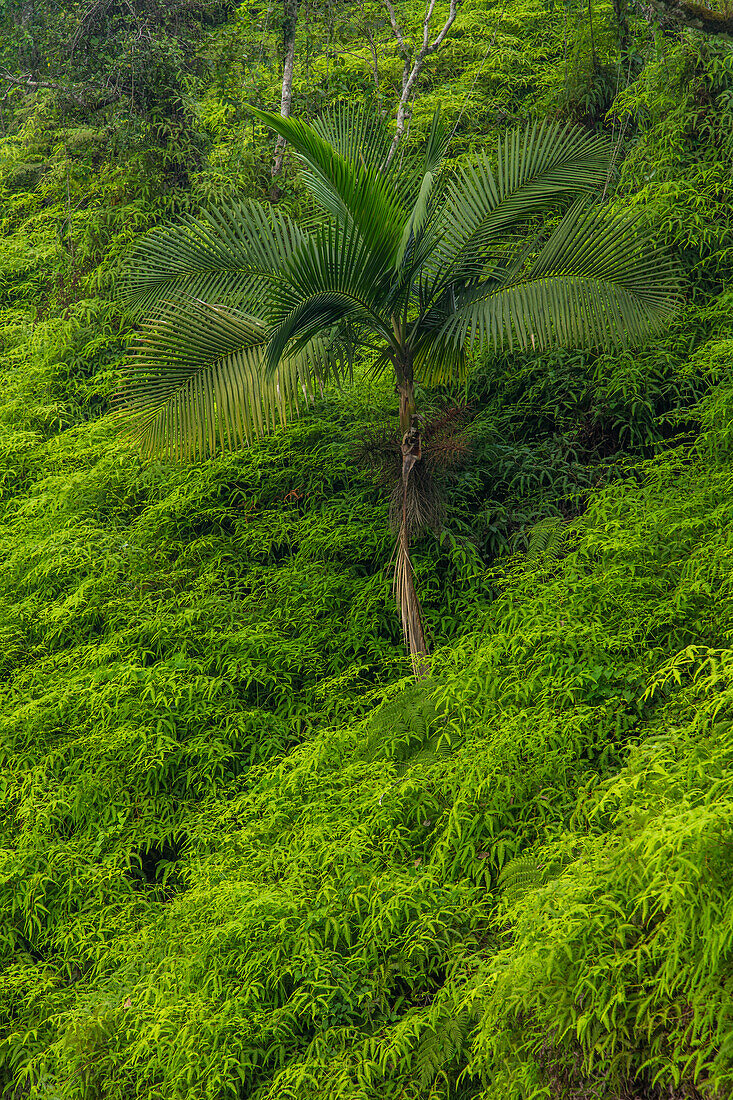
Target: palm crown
point(250, 311)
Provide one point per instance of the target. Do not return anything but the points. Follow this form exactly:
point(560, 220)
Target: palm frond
point(352, 191)
point(335, 259)
point(357, 132)
point(332, 279)
point(540, 167)
point(436, 144)
point(425, 179)
point(437, 361)
point(536, 166)
point(229, 255)
point(197, 381)
point(599, 280)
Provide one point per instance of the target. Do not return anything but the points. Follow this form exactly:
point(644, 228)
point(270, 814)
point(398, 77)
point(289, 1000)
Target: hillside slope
point(242, 853)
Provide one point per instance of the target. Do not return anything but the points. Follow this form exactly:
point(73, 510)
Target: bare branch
point(404, 48)
point(440, 39)
point(411, 72)
point(426, 25)
point(78, 94)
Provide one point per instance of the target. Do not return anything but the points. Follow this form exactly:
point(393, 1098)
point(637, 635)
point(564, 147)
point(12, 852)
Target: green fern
point(403, 725)
point(546, 540)
point(520, 876)
point(440, 1045)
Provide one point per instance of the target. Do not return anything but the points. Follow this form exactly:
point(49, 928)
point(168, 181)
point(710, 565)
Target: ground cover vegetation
point(243, 852)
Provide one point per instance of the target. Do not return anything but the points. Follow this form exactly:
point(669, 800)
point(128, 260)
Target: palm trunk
point(410, 611)
point(404, 580)
point(405, 388)
point(407, 405)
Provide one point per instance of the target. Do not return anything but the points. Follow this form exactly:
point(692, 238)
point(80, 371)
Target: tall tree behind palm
point(249, 312)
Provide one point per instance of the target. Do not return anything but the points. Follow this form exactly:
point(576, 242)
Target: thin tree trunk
point(594, 58)
point(411, 448)
point(290, 22)
point(404, 580)
point(410, 610)
point(413, 64)
point(406, 393)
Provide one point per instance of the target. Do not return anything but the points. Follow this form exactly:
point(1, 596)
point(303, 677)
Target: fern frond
point(520, 876)
point(440, 1045)
point(403, 725)
point(546, 539)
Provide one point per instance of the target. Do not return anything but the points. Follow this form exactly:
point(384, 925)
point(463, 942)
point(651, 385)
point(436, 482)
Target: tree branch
point(404, 48)
point(426, 26)
point(78, 94)
point(438, 42)
point(411, 72)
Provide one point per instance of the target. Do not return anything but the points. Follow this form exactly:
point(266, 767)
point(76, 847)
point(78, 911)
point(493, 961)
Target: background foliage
point(242, 853)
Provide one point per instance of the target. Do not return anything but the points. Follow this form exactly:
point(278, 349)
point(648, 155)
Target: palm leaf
point(352, 191)
point(535, 168)
point(538, 168)
point(438, 362)
point(599, 280)
point(229, 255)
point(357, 132)
point(426, 178)
point(332, 279)
point(197, 381)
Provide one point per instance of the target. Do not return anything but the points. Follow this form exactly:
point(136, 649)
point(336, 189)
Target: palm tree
point(249, 312)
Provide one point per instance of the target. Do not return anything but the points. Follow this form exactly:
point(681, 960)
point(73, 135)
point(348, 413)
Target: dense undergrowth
point(242, 853)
